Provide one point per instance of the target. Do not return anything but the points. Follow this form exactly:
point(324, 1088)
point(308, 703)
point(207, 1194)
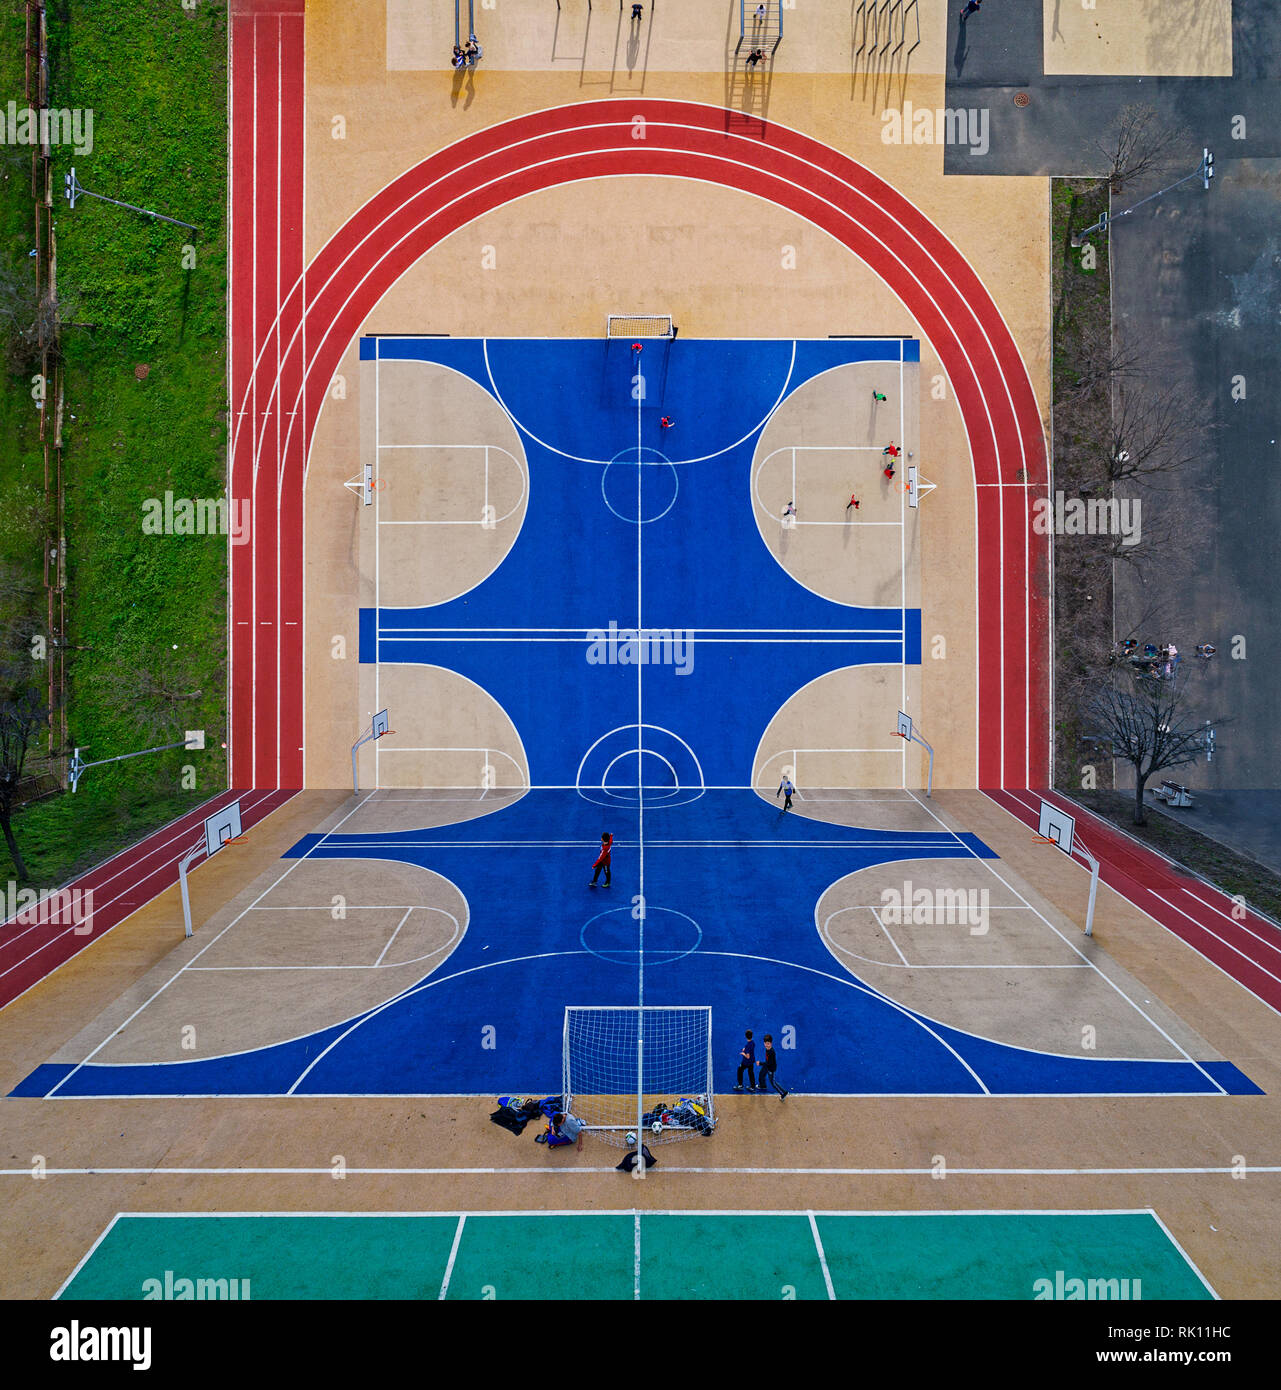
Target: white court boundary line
point(377, 965)
point(488, 448)
point(889, 964)
point(1074, 947)
point(795, 449)
point(160, 1170)
point(453, 1255)
point(604, 463)
point(822, 1256)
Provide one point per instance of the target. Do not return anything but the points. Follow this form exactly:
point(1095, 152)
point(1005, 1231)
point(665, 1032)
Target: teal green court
point(629, 1255)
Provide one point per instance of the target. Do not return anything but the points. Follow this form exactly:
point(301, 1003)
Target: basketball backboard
point(1058, 826)
point(904, 729)
point(222, 827)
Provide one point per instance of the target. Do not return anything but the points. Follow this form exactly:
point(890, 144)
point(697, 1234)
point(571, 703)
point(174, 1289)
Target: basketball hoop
point(379, 726)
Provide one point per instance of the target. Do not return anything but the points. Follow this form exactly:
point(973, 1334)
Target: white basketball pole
point(182, 879)
point(1094, 886)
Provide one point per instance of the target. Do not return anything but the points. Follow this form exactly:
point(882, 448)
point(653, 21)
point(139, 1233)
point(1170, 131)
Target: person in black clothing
point(769, 1063)
point(747, 1063)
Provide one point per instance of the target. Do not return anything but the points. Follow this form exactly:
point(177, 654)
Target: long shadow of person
point(958, 56)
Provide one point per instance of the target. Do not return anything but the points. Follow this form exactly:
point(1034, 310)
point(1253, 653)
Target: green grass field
point(147, 613)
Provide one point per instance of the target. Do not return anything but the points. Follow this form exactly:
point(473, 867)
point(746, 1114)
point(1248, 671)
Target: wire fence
point(51, 407)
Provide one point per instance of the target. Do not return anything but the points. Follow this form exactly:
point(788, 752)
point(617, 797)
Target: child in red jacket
point(602, 861)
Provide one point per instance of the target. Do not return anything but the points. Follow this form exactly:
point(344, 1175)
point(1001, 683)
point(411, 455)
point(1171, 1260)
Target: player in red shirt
point(602, 861)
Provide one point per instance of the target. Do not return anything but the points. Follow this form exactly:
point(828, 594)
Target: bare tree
point(1156, 428)
point(1105, 358)
point(154, 697)
point(1138, 144)
point(1144, 721)
point(31, 318)
point(22, 717)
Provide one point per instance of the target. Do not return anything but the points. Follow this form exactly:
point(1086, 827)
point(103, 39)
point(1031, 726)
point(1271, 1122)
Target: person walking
point(759, 16)
point(853, 502)
point(602, 860)
point(666, 422)
point(769, 1065)
point(877, 395)
point(891, 450)
point(785, 789)
point(889, 470)
point(971, 8)
point(747, 1063)
point(638, 13)
point(789, 510)
point(755, 57)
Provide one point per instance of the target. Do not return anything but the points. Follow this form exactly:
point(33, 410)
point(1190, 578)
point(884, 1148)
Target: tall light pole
point(1204, 171)
point(195, 738)
point(75, 189)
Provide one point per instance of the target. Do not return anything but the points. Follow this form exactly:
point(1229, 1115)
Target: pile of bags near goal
point(515, 1112)
point(686, 1113)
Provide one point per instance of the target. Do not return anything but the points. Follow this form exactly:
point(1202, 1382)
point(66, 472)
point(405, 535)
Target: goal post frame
point(704, 1089)
point(625, 327)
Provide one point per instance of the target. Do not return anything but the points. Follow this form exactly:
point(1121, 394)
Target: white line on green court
point(1191, 1263)
point(636, 1256)
point(822, 1257)
point(84, 1260)
point(453, 1255)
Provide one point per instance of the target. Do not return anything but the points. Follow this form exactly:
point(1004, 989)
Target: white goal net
point(638, 326)
point(620, 1073)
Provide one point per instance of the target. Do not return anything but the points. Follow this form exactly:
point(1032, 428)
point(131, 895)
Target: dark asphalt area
point(1200, 274)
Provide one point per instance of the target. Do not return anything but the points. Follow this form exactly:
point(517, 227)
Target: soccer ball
point(631, 1138)
point(657, 1126)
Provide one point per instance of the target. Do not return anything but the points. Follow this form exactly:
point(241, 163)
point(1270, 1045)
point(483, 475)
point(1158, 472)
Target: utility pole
point(1204, 171)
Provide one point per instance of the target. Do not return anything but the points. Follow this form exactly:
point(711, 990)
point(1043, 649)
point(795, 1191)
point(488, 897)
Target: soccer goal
point(633, 326)
point(627, 1068)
